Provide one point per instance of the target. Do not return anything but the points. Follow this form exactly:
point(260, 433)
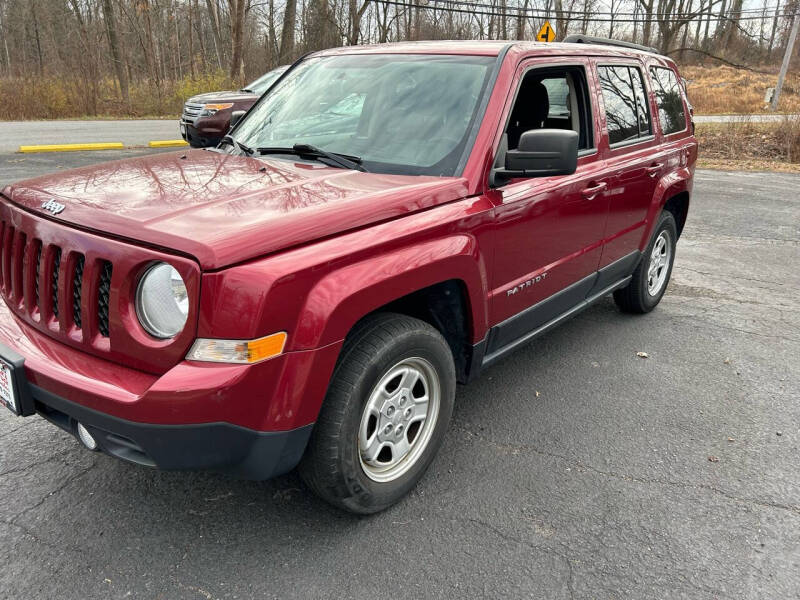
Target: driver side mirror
point(236, 116)
point(540, 153)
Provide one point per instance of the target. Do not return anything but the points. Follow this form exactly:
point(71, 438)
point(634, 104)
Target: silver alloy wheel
point(399, 419)
point(659, 264)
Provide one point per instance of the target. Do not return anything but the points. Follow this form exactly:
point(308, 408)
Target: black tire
point(635, 297)
point(332, 465)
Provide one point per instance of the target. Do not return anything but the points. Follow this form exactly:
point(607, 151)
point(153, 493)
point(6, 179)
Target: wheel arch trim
point(671, 185)
point(343, 297)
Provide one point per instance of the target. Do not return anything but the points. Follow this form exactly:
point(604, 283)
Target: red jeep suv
point(389, 220)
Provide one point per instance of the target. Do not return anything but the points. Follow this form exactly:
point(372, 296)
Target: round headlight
point(162, 303)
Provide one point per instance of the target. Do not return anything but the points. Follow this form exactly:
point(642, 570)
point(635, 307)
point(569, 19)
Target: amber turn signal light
point(238, 351)
point(217, 106)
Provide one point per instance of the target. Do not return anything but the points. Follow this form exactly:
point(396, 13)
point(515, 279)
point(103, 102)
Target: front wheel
point(385, 415)
point(650, 279)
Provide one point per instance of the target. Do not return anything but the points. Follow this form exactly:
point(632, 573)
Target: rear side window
point(558, 93)
point(627, 113)
point(668, 98)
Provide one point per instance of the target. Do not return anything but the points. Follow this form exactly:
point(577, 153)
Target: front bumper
point(231, 449)
point(205, 131)
point(251, 421)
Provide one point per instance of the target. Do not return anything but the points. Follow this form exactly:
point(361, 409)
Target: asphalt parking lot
point(131, 132)
point(573, 469)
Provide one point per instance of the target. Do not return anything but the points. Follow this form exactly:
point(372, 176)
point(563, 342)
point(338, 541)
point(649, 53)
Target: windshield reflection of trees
point(399, 111)
point(129, 187)
point(229, 185)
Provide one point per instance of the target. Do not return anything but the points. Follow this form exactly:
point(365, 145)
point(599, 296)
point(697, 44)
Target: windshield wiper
point(248, 90)
point(246, 150)
point(342, 160)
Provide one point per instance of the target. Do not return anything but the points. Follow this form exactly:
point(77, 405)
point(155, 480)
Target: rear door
point(634, 160)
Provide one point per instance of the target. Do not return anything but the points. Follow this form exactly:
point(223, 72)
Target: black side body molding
point(532, 322)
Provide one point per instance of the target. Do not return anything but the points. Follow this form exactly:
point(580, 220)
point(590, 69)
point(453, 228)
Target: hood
point(223, 209)
point(222, 97)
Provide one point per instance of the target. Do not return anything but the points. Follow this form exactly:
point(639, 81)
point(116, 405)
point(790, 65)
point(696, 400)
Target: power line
point(575, 15)
point(586, 14)
point(582, 13)
point(704, 9)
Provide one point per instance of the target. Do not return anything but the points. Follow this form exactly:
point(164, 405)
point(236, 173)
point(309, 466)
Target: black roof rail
point(576, 38)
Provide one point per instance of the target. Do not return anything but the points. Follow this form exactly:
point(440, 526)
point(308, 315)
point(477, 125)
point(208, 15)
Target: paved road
point(14, 134)
point(573, 469)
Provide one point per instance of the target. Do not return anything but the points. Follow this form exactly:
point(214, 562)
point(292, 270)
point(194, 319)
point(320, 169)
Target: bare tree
point(774, 29)
point(287, 33)
point(116, 53)
point(213, 11)
point(238, 9)
point(356, 15)
point(562, 20)
point(5, 37)
point(156, 52)
point(647, 7)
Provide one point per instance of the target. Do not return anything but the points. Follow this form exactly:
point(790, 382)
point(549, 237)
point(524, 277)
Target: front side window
point(627, 114)
point(552, 98)
point(407, 114)
point(668, 99)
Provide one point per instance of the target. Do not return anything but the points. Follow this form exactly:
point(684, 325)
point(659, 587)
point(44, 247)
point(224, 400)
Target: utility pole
point(787, 58)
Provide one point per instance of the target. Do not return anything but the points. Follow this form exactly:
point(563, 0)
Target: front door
point(548, 230)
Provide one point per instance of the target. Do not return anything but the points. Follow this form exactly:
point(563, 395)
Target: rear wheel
point(385, 414)
point(650, 279)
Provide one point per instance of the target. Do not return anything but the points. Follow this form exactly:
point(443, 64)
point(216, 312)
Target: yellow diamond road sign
point(546, 33)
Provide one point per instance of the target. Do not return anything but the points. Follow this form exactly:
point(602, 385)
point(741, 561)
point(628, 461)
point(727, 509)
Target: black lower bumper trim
point(195, 138)
point(223, 447)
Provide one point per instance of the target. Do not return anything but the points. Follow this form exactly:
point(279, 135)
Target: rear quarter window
point(669, 100)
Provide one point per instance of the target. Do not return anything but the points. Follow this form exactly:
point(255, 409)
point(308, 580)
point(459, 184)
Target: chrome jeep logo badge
point(53, 207)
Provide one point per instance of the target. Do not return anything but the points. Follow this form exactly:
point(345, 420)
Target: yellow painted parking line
point(166, 143)
point(72, 147)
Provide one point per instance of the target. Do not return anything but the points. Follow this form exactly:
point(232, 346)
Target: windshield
point(260, 85)
point(407, 114)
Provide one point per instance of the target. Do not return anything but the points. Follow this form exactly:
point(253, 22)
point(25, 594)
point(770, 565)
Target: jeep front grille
point(56, 262)
point(38, 272)
point(77, 286)
point(27, 263)
point(102, 298)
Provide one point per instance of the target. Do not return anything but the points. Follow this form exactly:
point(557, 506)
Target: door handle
point(654, 169)
point(590, 192)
